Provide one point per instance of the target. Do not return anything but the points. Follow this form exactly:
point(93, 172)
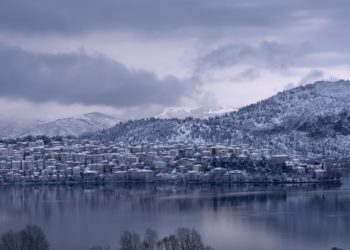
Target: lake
point(245, 217)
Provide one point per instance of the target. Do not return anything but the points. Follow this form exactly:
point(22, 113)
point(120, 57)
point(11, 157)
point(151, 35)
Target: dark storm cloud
point(78, 78)
point(156, 15)
point(67, 16)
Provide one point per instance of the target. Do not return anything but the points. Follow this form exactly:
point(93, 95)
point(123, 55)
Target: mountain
point(11, 128)
point(309, 120)
point(202, 112)
point(91, 122)
point(74, 126)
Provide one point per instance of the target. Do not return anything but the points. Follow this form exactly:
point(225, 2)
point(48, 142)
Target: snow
point(202, 112)
point(73, 126)
point(308, 120)
point(312, 119)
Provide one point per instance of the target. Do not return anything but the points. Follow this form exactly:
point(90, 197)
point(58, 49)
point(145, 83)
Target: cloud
point(70, 78)
point(289, 85)
point(312, 76)
point(266, 55)
point(249, 74)
point(266, 42)
point(66, 16)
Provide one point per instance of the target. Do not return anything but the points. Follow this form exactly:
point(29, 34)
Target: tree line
point(32, 237)
point(182, 239)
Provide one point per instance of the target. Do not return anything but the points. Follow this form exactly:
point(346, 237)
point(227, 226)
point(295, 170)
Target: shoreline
point(53, 183)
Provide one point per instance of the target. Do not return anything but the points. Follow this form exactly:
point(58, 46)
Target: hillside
point(73, 126)
point(11, 128)
point(202, 112)
point(311, 119)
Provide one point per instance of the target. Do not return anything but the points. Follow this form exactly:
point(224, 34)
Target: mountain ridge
point(310, 119)
point(201, 112)
point(89, 122)
point(70, 126)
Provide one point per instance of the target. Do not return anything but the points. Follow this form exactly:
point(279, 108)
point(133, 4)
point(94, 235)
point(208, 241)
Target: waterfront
point(243, 217)
point(34, 161)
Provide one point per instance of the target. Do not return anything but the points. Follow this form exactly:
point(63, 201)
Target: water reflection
point(229, 217)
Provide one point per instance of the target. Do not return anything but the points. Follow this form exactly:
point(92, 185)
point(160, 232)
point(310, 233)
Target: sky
point(132, 58)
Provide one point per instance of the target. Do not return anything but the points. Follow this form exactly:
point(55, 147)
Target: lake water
point(238, 217)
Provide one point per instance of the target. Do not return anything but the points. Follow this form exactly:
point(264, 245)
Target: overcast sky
point(133, 58)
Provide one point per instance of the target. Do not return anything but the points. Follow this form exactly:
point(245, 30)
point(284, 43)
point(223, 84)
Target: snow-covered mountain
point(311, 119)
point(74, 126)
point(91, 122)
point(11, 128)
point(202, 112)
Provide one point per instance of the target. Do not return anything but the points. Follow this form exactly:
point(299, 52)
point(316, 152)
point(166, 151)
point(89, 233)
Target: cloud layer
point(65, 16)
point(69, 78)
point(266, 55)
point(242, 50)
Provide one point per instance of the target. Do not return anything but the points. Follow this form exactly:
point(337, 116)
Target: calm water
point(244, 218)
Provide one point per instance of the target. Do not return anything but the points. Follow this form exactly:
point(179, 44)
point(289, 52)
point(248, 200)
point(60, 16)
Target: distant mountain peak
point(76, 125)
point(98, 114)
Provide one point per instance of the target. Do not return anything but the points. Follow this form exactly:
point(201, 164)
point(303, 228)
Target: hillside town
point(86, 161)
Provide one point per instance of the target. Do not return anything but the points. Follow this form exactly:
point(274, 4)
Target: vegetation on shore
point(183, 239)
point(32, 237)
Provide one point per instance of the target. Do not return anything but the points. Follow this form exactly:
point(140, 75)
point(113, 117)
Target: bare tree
point(173, 242)
point(150, 240)
point(30, 238)
point(185, 239)
point(130, 241)
point(168, 243)
point(163, 244)
point(33, 238)
point(10, 241)
point(189, 239)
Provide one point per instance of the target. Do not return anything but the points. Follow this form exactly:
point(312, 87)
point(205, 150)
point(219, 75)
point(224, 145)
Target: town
point(70, 160)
